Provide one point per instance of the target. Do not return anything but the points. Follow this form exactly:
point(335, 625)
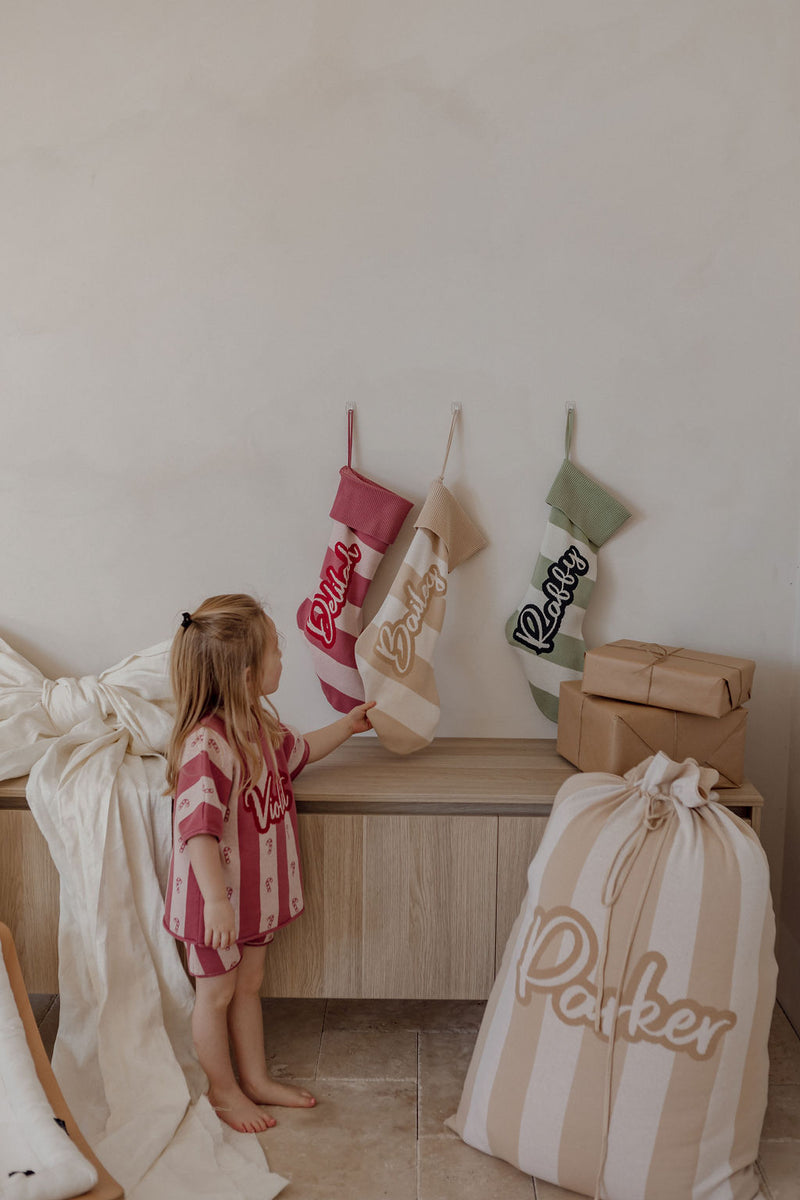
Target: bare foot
point(269, 1091)
point(236, 1110)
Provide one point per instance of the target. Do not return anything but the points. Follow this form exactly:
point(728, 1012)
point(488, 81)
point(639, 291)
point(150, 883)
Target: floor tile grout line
point(767, 1190)
point(796, 1032)
point(51, 1001)
point(367, 1079)
point(321, 1036)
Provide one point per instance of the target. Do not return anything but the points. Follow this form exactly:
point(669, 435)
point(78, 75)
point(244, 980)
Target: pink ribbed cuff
point(366, 507)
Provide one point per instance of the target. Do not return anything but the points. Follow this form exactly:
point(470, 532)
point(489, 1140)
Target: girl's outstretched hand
point(322, 741)
point(359, 721)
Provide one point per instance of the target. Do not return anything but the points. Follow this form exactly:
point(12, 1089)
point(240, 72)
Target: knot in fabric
point(658, 807)
point(686, 783)
point(69, 702)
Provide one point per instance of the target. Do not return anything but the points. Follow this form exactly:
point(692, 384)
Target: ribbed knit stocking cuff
point(368, 508)
point(443, 516)
point(586, 504)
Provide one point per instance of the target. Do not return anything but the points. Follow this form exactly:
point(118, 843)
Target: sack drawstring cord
point(657, 812)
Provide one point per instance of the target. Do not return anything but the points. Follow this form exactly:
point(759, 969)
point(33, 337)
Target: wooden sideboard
point(414, 868)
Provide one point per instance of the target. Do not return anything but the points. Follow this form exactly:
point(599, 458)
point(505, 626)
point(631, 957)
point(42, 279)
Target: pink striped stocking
point(366, 520)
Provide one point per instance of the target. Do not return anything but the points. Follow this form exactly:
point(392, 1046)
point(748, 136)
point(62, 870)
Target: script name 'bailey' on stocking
point(396, 638)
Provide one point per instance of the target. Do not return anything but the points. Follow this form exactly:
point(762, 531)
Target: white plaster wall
point(222, 221)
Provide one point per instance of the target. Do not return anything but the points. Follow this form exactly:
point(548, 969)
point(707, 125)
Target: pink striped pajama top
point(256, 831)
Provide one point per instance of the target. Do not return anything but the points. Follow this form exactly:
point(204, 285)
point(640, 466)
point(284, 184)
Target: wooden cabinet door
point(29, 899)
point(518, 840)
point(320, 953)
point(429, 906)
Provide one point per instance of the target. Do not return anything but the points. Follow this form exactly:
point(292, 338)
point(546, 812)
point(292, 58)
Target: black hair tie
point(187, 620)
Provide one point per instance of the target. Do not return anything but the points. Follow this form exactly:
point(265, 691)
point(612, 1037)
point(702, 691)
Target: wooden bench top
point(452, 776)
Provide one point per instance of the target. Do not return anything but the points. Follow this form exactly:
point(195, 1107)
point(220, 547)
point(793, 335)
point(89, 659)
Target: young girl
point(235, 871)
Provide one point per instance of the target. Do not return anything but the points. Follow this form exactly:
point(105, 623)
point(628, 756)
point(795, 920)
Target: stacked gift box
point(637, 698)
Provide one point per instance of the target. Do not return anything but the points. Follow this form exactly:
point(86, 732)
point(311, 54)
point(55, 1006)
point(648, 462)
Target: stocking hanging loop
point(350, 415)
point(456, 415)
point(568, 432)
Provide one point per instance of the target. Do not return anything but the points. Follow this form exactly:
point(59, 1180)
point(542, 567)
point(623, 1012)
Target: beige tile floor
point(387, 1073)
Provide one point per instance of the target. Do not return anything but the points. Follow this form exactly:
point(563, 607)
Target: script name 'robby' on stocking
point(546, 629)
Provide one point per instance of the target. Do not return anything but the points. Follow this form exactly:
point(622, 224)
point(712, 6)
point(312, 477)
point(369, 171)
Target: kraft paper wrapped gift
point(689, 681)
point(597, 734)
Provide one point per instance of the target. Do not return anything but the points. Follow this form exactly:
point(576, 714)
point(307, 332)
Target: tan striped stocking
point(394, 654)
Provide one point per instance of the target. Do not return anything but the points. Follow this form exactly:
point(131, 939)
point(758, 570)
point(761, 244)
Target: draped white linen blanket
point(124, 1055)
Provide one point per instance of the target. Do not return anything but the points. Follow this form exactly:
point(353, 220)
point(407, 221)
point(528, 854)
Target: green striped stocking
point(547, 628)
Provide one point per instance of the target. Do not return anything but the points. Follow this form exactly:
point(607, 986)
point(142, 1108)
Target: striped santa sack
point(623, 1052)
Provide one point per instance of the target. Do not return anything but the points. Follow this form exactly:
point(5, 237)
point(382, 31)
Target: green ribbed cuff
point(586, 503)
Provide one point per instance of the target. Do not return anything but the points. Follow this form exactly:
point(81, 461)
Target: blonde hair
point(208, 665)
